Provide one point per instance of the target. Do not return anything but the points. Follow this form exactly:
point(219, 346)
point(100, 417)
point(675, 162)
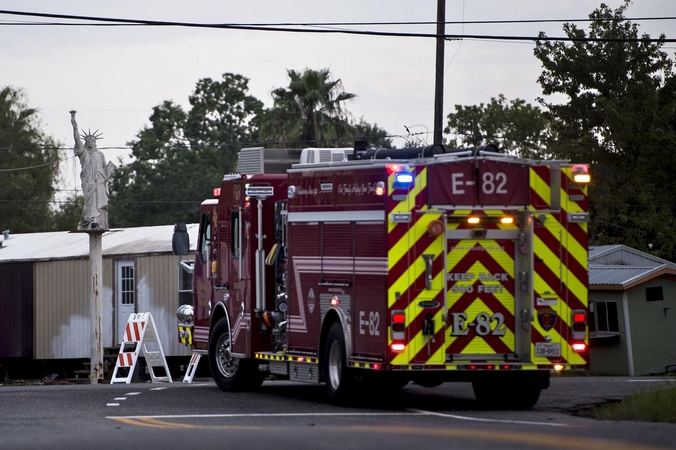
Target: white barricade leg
point(129, 351)
point(140, 334)
point(152, 350)
point(192, 368)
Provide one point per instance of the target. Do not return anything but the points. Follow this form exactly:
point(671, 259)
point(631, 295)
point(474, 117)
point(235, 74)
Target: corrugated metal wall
point(62, 308)
point(157, 289)
point(16, 310)
point(62, 305)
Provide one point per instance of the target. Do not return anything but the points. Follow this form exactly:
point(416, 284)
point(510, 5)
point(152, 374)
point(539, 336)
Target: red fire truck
point(389, 266)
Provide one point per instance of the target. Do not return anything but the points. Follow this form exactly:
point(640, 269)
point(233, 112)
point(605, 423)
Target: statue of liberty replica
point(94, 176)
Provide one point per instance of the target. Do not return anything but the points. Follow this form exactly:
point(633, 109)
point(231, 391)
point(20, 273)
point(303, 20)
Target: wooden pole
point(439, 78)
point(96, 308)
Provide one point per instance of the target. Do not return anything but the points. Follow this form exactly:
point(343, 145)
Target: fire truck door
point(481, 298)
point(425, 312)
point(240, 317)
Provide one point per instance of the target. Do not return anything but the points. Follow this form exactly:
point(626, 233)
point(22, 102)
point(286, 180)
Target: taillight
point(397, 347)
point(397, 330)
point(579, 346)
point(579, 330)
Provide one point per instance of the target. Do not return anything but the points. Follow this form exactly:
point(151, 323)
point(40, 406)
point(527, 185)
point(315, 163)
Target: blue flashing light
point(403, 178)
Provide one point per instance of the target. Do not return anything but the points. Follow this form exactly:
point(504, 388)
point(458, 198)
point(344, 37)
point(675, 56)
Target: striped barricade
point(140, 334)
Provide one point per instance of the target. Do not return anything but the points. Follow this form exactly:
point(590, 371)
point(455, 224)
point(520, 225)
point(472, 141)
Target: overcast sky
point(113, 76)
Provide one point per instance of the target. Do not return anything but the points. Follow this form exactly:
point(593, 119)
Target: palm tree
point(309, 112)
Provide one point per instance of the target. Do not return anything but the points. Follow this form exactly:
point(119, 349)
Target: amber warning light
point(581, 173)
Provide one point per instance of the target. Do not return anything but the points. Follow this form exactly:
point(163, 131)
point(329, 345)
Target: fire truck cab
point(389, 266)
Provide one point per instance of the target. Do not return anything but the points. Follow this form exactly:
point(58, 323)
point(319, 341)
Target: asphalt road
point(287, 415)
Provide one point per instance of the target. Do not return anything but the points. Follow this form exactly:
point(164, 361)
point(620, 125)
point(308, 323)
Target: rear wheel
point(336, 373)
point(231, 373)
point(508, 394)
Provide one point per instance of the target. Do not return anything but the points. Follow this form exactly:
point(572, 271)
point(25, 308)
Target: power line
point(541, 37)
point(135, 22)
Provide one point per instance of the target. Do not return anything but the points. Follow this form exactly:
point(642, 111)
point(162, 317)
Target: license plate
point(547, 349)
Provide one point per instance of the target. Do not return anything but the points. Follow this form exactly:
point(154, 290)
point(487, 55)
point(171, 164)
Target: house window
point(654, 294)
point(603, 318)
point(185, 274)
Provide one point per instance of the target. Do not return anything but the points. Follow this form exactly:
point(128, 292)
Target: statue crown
point(95, 135)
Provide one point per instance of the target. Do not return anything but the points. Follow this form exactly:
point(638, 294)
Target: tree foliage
point(516, 126)
point(29, 166)
point(618, 116)
point(376, 136)
point(182, 156)
point(310, 112)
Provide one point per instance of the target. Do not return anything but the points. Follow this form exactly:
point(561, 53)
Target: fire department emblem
point(311, 300)
point(237, 192)
point(547, 318)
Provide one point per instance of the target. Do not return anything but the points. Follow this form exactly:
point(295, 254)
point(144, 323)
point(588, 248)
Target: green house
point(632, 322)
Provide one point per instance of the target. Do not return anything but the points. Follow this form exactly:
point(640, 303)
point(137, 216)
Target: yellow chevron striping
point(419, 341)
point(506, 262)
point(413, 309)
point(417, 268)
point(540, 186)
point(420, 183)
point(558, 268)
point(408, 240)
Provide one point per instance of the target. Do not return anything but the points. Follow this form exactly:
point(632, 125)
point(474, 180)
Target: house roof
point(618, 267)
point(623, 255)
point(67, 245)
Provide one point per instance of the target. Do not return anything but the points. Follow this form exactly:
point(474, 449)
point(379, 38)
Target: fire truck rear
point(391, 266)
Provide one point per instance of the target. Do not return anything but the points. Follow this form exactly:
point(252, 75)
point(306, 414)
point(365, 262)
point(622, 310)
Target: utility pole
point(439, 78)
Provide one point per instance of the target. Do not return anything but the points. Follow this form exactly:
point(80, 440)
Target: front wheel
point(230, 373)
point(336, 373)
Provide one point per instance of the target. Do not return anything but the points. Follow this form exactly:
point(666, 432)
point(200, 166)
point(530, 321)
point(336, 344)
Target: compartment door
point(481, 295)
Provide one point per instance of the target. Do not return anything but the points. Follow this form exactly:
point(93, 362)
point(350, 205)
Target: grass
point(658, 405)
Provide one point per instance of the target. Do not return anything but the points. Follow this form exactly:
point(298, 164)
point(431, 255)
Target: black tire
point(510, 394)
point(231, 373)
point(336, 373)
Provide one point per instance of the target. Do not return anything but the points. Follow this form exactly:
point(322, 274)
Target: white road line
point(119, 398)
point(132, 393)
point(477, 419)
point(159, 389)
point(652, 381)
point(112, 404)
point(206, 416)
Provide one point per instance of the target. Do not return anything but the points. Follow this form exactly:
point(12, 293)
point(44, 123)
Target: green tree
point(68, 214)
point(29, 166)
point(182, 156)
point(618, 116)
point(376, 136)
point(516, 126)
point(309, 112)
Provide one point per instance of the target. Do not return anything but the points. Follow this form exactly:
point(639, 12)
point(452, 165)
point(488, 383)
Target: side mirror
point(180, 241)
